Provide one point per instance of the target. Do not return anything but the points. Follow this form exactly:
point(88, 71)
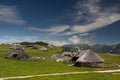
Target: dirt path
point(54, 74)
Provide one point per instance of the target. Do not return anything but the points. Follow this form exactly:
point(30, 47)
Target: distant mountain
point(56, 43)
point(98, 48)
point(116, 49)
point(46, 43)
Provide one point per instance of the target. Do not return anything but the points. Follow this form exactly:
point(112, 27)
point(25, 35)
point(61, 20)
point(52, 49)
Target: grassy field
point(111, 58)
point(9, 67)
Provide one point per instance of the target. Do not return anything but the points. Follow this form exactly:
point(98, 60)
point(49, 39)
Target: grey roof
point(57, 56)
point(88, 56)
point(15, 46)
point(67, 54)
point(18, 53)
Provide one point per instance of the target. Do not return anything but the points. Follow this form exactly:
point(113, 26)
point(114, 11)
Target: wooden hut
point(18, 53)
point(86, 58)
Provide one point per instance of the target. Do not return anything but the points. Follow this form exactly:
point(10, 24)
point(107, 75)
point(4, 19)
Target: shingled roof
point(88, 56)
point(18, 53)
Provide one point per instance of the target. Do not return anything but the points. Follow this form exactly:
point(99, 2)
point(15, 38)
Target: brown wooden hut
point(18, 53)
point(86, 58)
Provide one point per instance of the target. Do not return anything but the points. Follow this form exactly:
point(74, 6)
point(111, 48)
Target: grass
point(17, 68)
point(4, 46)
point(86, 76)
point(47, 53)
point(111, 58)
point(9, 67)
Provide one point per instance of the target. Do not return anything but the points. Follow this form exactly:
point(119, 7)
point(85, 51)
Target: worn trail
point(55, 74)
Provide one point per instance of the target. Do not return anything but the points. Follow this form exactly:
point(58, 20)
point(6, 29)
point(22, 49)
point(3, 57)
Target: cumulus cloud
point(76, 40)
point(9, 14)
point(53, 30)
point(12, 39)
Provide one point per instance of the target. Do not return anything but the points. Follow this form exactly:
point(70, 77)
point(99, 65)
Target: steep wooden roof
point(88, 56)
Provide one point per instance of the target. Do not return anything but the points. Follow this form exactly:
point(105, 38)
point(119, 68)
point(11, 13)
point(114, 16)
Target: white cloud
point(76, 40)
point(84, 34)
point(88, 7)
point(95, 17)
point(91, 13)
point(53, 30)
point(99, 23)
point(9, 14)
point(12, 39)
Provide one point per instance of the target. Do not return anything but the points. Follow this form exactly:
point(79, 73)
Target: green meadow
point(11, 67)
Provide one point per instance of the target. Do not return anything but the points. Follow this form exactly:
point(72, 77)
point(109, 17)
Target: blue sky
point(96, 21)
